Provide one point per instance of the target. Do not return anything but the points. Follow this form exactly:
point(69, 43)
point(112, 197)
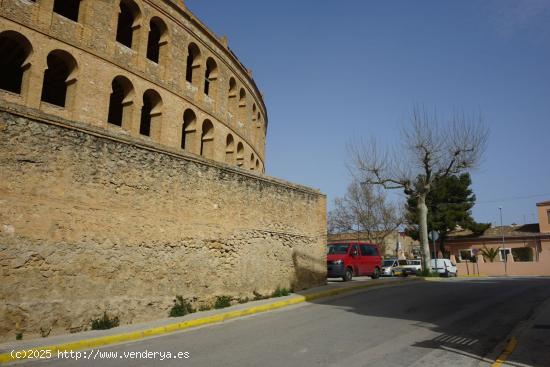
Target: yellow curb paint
point(510, 347)
point(136, 335)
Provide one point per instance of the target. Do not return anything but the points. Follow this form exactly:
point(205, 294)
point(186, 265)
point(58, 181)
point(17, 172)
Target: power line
point(512, 198)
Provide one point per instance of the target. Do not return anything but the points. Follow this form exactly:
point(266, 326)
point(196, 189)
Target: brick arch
point(128, 23)
point(121, 102)
point(60, 77)
point(16, 51)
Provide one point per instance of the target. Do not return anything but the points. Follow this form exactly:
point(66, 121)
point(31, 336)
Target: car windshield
point(388, 262)
point(337, 249)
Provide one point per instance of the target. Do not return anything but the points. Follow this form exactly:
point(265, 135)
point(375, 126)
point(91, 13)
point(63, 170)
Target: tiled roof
point(543, 203)
point(524, 230)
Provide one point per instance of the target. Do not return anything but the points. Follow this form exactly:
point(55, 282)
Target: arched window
point(252, 161)
point(150, 114)
point(240, 154)
point(207, 139)
point(188, 130)
point(127, 24)
point(157, 41)
point(121, 102)
point(232, 96)
point(229, 149)
point(14, 62)
point(59, 82)
point(193, 62)
point(67, 8)
point(257, 165)
point(242, 106)
point(210, 78)
point(254, 112)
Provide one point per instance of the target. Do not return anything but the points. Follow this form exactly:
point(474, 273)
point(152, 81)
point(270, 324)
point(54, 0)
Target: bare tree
point(365, 208)
point(428, 150)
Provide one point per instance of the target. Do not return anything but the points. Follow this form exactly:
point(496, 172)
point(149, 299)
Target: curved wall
point(147, 68)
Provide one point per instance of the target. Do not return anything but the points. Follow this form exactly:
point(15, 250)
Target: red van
point(344, 260)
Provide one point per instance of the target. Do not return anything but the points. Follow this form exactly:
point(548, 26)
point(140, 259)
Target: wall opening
point(229, 149)
point(232, 96)
point(207, 139)
point(127, 23)
point(14, 63)
point(121, 102)
point(67, 8)
point(188, 130)
point(157, 41)
point(58, 87)
point(193, 64)
point(242, 106)
point(150, 114)
point(210, 78)
point(240, 154)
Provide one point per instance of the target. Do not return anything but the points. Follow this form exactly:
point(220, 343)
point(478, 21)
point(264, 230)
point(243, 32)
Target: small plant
point(222, 302)
point(105, 322)
point(181, 307)
point(489, 253)
point(280, 292)
point(205, 307)
point(19, 336)
point(244, 300)
point(258, 296)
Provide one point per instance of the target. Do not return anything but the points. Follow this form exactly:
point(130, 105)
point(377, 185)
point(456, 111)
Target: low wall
point(537, 268)
point(93, 222)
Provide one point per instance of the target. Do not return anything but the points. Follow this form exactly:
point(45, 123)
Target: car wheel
point(376, 273)
point(348, 275)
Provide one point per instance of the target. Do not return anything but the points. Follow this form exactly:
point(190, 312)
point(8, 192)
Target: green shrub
point(181, 307)
point(19, 336)
point(258, 296)
point(280, 292)
point(105, 322)
point(205, 307)
point(244, 300)
point(222, 302)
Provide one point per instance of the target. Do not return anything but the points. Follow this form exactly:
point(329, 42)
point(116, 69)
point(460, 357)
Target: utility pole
point(503, 249)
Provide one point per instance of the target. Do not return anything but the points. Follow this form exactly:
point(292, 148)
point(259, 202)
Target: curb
point(510, 347)
point(34, 352)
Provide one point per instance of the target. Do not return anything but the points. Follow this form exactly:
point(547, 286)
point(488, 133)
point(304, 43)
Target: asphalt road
point(453, 322)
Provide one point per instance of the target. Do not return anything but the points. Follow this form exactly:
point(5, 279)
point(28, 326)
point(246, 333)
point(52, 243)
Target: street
point(455, 322)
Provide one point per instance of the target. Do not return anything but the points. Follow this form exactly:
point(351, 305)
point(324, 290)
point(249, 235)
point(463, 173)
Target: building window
point(121, 102)
point(232, 96)
point(210, 77)
point(548, 215)
point(252, 160)
point(465, 255)
point(503, 252)
point(193, 62)
point(67, 8)
point(127, 23)
point(188, 129)
point(229, 149)
point(59, 82)
point(14, 63)
point(240, 154)
point(157, 41)
point(150, 114)
point(207, 139)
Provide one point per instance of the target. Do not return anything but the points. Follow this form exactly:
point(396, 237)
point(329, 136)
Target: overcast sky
point(331, 71)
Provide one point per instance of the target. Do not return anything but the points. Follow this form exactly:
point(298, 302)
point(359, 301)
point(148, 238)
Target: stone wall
point(93, 221)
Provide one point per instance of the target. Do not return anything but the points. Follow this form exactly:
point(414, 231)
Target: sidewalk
point(126, 333)
point(529, 343)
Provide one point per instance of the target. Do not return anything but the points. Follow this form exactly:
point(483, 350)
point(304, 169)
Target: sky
point(335, 71)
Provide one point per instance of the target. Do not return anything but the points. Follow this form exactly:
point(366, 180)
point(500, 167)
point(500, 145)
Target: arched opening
point(121, 102)
point(210, 78)
point(14, 63)
point(242, 106)
point(157, 40)
point(229, 149)
point(254, 112)
point(252, 162)
point(59, 82)
point(232, 96)
point(240, 154)
point(188, 130)
point(193, 63)
point(127, 24)
point(257, 165)
point(150, 114)
point(207, 139)
point(67, 8)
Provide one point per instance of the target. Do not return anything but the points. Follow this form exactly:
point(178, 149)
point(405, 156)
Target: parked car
point(345, 260)
point(391, 268)
point(411, 267)
point(444, 267)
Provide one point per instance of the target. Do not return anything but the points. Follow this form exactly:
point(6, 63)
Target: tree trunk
point(423, 230)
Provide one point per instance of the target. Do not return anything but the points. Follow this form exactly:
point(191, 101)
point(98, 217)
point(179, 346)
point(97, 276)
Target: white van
point(444, 267)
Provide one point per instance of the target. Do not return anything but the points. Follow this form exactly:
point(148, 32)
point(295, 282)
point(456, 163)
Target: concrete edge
point(24, 354)
point(509, 349)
